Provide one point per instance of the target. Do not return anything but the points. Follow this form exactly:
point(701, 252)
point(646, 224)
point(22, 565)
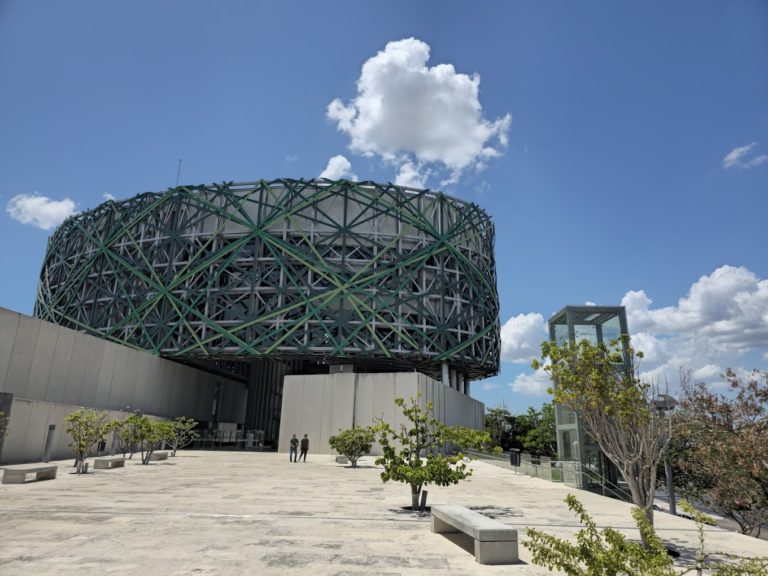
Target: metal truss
point(361, 273)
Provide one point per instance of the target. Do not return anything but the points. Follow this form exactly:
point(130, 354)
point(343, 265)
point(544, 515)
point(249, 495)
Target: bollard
point(49, 443)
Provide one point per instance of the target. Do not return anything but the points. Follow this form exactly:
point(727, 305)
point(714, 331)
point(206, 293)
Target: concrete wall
point(52, 370)
point(321, 405)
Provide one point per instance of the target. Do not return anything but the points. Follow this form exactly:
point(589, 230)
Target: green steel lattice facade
point(374, 275)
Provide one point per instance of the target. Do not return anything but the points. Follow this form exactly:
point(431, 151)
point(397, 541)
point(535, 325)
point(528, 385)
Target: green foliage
point(720, 448)
point(533, 431)
point(600, 383)
point(125, 436)
point(182, 433)
point(87, 427)
point(414, 453)
point(148, 434)
point(604, 551)
point(540, 436)
point(608, 551)
point(353, 443)
point(596, 378)
point(500, 424)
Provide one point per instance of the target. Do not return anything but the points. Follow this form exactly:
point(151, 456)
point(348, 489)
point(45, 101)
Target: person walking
point(294, 446)
point(304, 447)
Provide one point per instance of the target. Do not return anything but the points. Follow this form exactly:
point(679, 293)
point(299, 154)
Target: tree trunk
point(642, 493)
point(415, 494)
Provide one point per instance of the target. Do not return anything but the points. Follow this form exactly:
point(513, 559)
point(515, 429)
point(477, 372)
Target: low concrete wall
point(28, 431)
point(321, 405)
point(51, 370)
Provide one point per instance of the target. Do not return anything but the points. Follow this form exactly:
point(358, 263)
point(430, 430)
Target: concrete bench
point(107, 462)
point(22, 474)
point(495, 542)
point(342, 460)
point(158, 455)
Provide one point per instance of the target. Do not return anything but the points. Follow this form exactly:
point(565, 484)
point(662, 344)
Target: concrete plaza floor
point(257, 513)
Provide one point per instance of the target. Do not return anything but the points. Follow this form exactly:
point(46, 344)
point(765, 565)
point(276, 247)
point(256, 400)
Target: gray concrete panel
point(40, 373)
point(106, 373)
point(123, 384)
point(141, 388)
point(311, 411)
point(73, 386)
point(62, 358)
point(22, 354)
point(13, 445)
point(89, 389)
point(9, 323)
point(290, 411)
point(37, 430)
point(160, 372)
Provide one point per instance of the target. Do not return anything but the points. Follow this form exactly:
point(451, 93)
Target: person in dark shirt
point(294, 447)
point(304, 447)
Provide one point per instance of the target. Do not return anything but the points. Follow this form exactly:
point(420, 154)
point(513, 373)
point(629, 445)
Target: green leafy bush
point(609, 552)
point(353, 443)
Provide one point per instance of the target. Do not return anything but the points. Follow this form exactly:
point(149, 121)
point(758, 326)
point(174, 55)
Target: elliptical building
point(300, 306)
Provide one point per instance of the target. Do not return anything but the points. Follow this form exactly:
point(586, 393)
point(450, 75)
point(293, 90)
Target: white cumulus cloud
point(535, 384)
point(721, 319)
point(739, 157)
point(39, 211)
point(338, 167)
point(411, 176)
point(407, 112)
point(521, 337)
point(729, 308)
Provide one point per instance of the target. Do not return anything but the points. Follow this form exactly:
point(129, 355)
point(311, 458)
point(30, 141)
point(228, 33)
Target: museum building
point(260, 308)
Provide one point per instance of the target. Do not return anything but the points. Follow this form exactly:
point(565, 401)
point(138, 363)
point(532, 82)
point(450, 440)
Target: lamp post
point(665, 403)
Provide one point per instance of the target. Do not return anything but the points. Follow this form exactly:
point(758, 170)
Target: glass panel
point(587, 332)
point(611, 330)
point(561, 333)
point(565, 444)
point(565, 415)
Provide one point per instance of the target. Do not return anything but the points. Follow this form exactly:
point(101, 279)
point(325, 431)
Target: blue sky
point(633, 165)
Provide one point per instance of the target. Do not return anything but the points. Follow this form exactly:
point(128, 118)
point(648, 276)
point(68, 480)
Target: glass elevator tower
point(583, 463)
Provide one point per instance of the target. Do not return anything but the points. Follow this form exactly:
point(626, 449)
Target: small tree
point(125, 436)
point(413, 454)
point(183, 433)
point(87, 427)
point(353, 443)
point(148, 434)
point(720, 448)
point(601, 384)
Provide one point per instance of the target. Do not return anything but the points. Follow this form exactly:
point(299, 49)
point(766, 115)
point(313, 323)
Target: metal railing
point(570, 473)
point(230, 440)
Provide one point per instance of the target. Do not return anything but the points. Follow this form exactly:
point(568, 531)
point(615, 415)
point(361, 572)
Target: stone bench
point(22, 474)
point(495, 542)
point(107, 462)
point(158, 455)
point(342, 460)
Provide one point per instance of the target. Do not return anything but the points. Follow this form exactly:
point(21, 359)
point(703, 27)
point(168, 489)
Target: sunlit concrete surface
point(257, 513)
